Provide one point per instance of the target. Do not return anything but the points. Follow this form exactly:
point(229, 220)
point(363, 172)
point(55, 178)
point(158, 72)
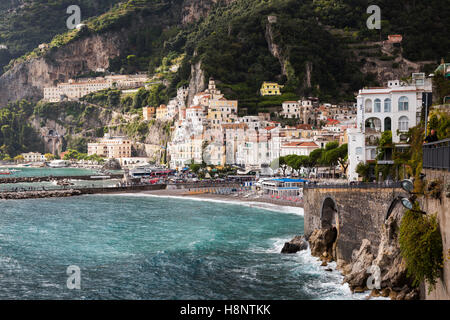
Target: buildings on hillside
point(33, 157)
point(75, 89)
point(211, 131)
point(111, 147)
point(270, 89)
point(396, 107)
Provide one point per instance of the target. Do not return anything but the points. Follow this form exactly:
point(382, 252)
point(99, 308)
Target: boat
point(25, 165)
point(5, 171)
point(58, 164)
point(140, 172)
point(64, 182)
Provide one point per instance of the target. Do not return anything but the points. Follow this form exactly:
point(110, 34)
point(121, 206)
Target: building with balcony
point(396, 107)
point(111, 147)
point(33, 157)
point(270, 89)
point(148, 113)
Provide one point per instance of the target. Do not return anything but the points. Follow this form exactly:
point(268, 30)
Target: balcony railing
point(436, 155)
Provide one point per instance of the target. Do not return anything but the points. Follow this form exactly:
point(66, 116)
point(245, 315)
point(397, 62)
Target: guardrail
point(436, 155)
point(358, 185)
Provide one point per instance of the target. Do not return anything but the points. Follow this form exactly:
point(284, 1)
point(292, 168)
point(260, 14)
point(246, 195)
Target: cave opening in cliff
point(329, 216)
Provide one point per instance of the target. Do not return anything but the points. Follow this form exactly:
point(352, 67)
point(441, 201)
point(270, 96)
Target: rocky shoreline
point(361, 273)
point(39, 194)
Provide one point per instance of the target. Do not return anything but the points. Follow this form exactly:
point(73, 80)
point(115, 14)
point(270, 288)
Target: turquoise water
point(43, 172)
point(50, 186)
point(143, 247)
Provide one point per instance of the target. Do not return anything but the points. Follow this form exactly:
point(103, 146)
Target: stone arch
point(373, 124)
point(329, 217)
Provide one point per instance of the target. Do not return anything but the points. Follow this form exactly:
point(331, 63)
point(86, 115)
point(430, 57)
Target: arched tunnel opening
point(328, 216)
point(329, 220)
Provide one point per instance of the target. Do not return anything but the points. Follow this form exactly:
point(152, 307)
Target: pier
point(78, 191)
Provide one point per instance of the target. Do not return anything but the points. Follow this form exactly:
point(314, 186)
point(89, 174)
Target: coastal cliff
point(26, 80)
point(359, 238)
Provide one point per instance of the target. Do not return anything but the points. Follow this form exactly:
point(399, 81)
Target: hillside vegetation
point(24, 24)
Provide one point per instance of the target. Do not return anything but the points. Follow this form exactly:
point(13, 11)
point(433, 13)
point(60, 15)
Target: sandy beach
point(264, 203)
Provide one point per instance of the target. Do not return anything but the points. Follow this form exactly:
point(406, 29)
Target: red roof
point(304, 126)
point(332, 121)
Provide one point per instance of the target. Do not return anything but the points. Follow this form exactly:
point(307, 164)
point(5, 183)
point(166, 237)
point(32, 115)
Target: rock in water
point(112, 164)
point(362, 260)
point(321, 240)
point(295, 245)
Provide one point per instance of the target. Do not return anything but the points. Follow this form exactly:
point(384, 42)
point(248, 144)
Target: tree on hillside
point(19, 158)
point(314, 158)
point(281, 163)
point(335, 155)
point(49, 156)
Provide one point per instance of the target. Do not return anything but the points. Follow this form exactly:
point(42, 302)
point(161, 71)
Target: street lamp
point(407, 185)
point(408, 203)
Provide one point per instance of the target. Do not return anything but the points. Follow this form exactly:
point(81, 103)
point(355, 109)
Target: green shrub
point(421, 246)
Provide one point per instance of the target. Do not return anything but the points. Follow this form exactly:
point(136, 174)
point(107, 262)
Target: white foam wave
point(251, 204)
point(327, 285)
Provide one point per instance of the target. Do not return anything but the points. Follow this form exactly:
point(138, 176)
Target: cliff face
point(27, 79)
point(274, 49)
point(197, 82)
point(193, 10)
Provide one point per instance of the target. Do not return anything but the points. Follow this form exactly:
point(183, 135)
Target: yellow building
point(161, 112)
point(214, 118)
point(148, 112)
point(227, 108)
point(271, 89)
point(111, 147)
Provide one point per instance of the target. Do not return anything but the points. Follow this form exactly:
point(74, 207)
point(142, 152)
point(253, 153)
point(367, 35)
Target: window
point(403, 104)
point(387, 105)
point(387, 124)
point(368, 105)
point(403, 123)
point(359, 150)
point(377, 107)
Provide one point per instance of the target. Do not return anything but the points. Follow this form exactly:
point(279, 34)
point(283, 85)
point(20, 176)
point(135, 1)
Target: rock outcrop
point(393, 281)
point(297, 244)
point(321, 242)
point(361, 261)
point(112, 164)
point(27, 79)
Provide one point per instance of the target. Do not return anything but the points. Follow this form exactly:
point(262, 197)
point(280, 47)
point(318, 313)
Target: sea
point(54, 172)
point(137, 246)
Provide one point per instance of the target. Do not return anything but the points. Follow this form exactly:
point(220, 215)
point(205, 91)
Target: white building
point(111, 147)
point(299, 148)
point(33, 157)
point(396, 107)
point(291, 109)
point(75, 89)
